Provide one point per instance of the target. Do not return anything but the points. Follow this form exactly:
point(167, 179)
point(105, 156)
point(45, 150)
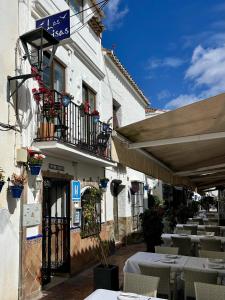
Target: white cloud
point(181, 100)
point(163, 94)
point(172, 62)
point(206, 72)
point(114, 15)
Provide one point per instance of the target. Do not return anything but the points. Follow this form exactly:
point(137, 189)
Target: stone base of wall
point(32, 260)
point(83, 252)
point(125, 227)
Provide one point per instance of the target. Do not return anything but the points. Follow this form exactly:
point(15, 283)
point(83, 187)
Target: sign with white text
point(57, 25)
point(75, 191)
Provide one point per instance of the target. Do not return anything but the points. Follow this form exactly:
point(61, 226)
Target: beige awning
point(181, 147)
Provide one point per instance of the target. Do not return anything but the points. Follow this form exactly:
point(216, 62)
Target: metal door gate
point(55, 229)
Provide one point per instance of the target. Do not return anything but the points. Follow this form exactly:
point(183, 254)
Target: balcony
point(68, 130)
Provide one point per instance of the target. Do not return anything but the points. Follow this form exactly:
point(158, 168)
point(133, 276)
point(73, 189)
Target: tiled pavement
point(81, 285)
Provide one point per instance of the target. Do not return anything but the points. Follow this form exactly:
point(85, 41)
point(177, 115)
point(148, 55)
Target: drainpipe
point(20, 290)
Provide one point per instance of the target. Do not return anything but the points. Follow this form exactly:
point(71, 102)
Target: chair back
point(214, 229)
point(192, 276)
point(166, 250)
point(201, 232)
point(210, 244)
point(140, 284)
point(212, 254)
point(198, 220)
point(184, 245)
point(182, 231)
point(162, 272)
point(206, 291)
point(193, 228)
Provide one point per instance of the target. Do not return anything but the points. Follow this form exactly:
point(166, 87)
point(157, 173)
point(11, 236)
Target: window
point(90, 96)
point(137, 202)
point(54, 76)
point(77, 6)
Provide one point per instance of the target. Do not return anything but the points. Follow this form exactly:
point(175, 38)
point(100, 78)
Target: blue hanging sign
point(75, 191)
point(57, 25)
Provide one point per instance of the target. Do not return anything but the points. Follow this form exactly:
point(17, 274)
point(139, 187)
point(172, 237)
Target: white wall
point(9, 140)
point(115, 86)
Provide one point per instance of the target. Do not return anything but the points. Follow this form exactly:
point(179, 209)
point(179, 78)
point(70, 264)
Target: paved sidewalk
point(81, 285)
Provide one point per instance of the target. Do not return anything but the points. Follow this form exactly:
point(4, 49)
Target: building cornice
point(115, 62)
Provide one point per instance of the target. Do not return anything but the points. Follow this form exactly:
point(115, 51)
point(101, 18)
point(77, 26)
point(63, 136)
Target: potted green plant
point(106, 276)
point(35, 161)
point(17, 184)
point(152, 227)
point(2, 178)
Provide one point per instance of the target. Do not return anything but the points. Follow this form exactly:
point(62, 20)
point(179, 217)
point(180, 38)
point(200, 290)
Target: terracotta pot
point(46, 130)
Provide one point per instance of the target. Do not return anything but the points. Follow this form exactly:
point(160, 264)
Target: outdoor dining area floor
point(80, 286)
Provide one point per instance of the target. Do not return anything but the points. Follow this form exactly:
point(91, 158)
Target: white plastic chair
point(206, 291)
point(191, 276)
point(184, 244)
point(166, 250)
point(211, 254)
point(210, 244)
point(140, 284)
point(182, 231)
point(166, 285)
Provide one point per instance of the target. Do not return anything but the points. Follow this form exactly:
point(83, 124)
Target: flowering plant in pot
point(2, 178)
point(96, 116)
point(66, 98)
point(17, 184)
point(35, 161)
point(106, 276)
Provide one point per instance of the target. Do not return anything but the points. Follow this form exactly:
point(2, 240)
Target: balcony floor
point(70, 152)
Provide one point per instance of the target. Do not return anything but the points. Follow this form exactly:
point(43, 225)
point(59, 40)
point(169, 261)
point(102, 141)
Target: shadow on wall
point(12, 202)
point(83, 253)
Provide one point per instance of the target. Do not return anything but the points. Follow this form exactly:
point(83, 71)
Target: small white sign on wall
point(31, 214)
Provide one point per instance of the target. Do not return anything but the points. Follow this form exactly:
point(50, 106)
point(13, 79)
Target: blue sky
point(174, 49)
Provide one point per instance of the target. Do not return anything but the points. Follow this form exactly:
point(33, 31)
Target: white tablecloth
point(194, 238)
point(131, 265)
point(111, 295)
point(182, 262)
point(222, 228)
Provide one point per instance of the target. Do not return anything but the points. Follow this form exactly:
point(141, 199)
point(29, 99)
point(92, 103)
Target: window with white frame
point(77, 7)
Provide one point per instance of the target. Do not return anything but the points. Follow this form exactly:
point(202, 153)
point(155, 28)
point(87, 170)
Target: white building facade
point(77, 147)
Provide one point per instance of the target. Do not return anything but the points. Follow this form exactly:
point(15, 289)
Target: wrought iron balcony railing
point(70, 124)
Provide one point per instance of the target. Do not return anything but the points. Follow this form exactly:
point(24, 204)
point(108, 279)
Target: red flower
point(34, 90)
point(95, 113)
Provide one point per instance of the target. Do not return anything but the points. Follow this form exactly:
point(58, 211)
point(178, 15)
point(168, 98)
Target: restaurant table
point(148, 258)
point(202, 227)
point(167, 237)
point(177, 265)
point(102, 294)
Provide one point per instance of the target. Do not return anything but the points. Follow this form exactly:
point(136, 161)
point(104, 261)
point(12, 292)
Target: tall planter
point(106, 277)
point(46, 130)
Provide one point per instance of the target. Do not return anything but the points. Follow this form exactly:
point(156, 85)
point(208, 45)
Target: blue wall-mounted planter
point(1, 185)
point(96, 119)
point(16, 191)
point(104, 183)
point(35, 169)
